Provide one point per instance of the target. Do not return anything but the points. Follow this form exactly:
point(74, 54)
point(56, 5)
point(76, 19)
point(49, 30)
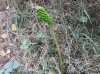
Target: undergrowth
point(76, 28)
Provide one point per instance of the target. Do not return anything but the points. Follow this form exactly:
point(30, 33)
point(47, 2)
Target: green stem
point(58, 49)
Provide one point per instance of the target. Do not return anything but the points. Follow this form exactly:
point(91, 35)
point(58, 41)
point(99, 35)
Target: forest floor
point(76, 25)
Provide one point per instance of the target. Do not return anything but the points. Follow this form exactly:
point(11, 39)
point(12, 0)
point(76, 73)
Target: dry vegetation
point(79, 40)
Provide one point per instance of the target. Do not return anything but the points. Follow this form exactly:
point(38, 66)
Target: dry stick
point(58, 49)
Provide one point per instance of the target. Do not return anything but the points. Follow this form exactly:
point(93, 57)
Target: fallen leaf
point(26, 43)
point(2, 53)
point(14, 27)
point(4, 35)
point(83, 19)
point(7, 7)
point(8, 51)
point(10, 44)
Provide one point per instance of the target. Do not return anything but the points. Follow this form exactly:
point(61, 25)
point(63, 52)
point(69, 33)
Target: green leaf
point(93, 19)
point(16, 64)
point(2, 71)
point(8, 71)
point(19, 72)
point(44, 64)
point(77, 35)
point(15, 15)
point(41, 35)
point(26, 43)
point(8, 65)
point(83, 19)
point(51, 72)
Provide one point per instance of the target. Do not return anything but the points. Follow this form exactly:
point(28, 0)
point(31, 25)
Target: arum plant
point(43, 15)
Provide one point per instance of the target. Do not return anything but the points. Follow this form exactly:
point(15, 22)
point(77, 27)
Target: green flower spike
point(43, 15)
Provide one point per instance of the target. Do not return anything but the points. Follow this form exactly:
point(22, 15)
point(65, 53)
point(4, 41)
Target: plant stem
point(58, 49)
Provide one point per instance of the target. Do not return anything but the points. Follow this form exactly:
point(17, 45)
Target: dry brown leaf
point(14, 27)
point(2, 53)
point(10, 44)
point(7, 7)
point(4, 35)
point(8, 51)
